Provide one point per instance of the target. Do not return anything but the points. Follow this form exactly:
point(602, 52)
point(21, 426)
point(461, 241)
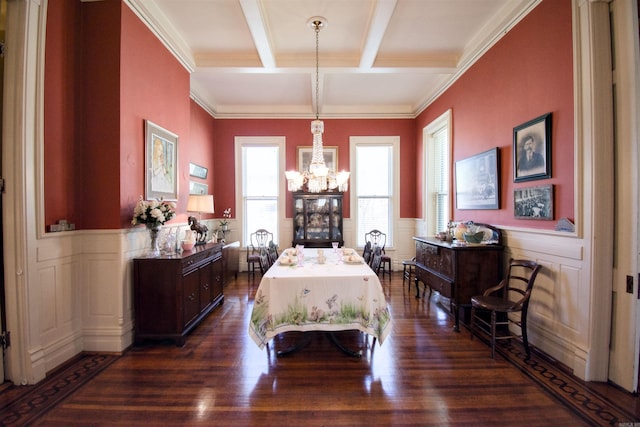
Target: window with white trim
point(260, 186)
point(374, 187)
point(438, 176)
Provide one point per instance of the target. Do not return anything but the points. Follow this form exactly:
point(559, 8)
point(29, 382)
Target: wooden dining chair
point(273, 252)
point(366, 253)
point(257, 241)
point(376, 259)
point(378, 238)
point(507, 304)
point(265, 261)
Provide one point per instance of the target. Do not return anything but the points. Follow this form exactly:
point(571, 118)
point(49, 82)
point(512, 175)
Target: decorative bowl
point(187, 245)
point(474, 237)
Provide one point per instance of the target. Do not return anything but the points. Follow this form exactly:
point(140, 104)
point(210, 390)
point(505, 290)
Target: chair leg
point(493, 334)
point(472, 324)
point(525, 339)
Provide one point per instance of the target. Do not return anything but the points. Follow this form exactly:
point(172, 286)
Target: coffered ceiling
point(378, 58)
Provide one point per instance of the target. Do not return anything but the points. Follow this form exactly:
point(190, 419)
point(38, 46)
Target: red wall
point(529, 72)
point(298, 133)
point(106, 73)
point(62, 112)
point(155, 87)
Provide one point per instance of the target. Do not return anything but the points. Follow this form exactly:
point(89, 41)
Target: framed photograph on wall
point(198, 171)
point(198, 188)
point(330, 157)
point(532, 149)
point(161, 163)
point(533, 202)
point(478, 181)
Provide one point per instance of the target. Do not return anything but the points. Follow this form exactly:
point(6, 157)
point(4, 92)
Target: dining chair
point(257, 241)
point(366, 253)
point(507, 303)
point(376, 259)
point(265, 261)
point(273, 252)
point(378, 238)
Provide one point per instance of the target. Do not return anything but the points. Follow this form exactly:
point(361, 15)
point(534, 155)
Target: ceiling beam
point(379, 22)
point(253, 16)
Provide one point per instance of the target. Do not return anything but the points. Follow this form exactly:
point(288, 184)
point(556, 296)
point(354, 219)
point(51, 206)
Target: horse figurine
point(200, 229)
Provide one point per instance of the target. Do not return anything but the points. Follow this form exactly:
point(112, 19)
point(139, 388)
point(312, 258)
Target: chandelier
point(319, 177)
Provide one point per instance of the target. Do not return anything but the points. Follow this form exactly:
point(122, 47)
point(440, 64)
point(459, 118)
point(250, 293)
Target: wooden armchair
point(507, 303)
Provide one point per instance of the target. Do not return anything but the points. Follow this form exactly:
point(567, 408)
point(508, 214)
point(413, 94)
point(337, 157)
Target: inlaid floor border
point(570, 390)
point(28, 403)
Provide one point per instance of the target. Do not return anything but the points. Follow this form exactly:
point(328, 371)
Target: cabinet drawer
point(199, 257)
point(435, 282)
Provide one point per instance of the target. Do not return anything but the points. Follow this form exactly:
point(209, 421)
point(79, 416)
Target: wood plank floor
point(424, 374)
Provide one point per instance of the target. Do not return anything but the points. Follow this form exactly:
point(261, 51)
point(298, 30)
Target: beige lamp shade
point(202, 203)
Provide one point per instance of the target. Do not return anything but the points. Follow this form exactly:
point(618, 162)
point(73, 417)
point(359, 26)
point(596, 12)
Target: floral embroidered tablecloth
point(308, 296)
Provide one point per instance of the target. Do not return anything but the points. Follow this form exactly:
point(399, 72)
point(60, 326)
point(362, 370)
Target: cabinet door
point(217, 280)
point(206, 279)
point(191, 296)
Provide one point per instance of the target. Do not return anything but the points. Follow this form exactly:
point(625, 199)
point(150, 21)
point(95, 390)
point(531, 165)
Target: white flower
point(153, 213)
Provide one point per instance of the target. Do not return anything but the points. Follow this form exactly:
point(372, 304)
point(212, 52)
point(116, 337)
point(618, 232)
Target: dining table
point(326, 290)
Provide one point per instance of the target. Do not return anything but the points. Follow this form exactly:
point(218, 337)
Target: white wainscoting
point(81, 294)
point(559, 311)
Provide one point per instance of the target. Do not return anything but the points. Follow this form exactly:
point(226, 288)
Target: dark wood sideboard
point(230, 261)
point(173, 293)
point(457, 272)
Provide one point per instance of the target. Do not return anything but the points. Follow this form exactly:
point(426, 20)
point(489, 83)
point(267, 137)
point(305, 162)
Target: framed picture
point(198, 171)
point(477, 181)
point(161, 161)
point(532, 149)
point(198, 188)
point(330, 157)
point(533, 202)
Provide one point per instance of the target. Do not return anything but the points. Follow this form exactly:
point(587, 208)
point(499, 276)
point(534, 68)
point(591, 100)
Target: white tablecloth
point(309, 296)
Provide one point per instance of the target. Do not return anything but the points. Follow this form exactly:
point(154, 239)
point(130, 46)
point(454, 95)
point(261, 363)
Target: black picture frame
point(533, 202)
point(478, 181)
point(532, 149)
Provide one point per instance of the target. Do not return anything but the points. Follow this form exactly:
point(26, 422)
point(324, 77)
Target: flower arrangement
point(226, 215)
point(153, 213)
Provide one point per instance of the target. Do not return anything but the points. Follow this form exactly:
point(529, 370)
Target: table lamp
point(201, 203)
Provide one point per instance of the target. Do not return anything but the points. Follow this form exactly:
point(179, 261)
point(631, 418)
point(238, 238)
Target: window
point(260, 178)
point(375, 185)
point(437, 152)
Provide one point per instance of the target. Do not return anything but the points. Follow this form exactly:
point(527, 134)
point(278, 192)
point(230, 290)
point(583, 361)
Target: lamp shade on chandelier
point(319, 177)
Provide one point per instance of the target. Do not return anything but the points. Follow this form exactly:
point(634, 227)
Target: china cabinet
point(317, 219)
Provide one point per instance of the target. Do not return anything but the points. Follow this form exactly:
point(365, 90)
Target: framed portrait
point(533, 202)
point(198, 188)
point(161, 163)
point(198, 171)
point(478, 181)
point(330, 157)
point(532, 149)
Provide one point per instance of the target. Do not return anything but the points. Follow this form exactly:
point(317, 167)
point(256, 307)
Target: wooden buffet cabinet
point(173, 293)
point(457, 272)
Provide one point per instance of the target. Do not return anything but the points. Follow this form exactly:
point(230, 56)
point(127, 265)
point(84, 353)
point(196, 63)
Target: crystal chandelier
point(319, 177)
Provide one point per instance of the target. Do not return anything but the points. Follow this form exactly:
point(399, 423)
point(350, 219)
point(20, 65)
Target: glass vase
point(154, 232)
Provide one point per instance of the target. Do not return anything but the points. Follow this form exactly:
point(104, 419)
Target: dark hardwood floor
point(423, 374)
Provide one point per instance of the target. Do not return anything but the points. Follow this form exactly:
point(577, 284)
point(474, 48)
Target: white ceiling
point(378, 58)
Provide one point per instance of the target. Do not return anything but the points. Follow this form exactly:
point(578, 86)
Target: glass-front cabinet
point(317, 219)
